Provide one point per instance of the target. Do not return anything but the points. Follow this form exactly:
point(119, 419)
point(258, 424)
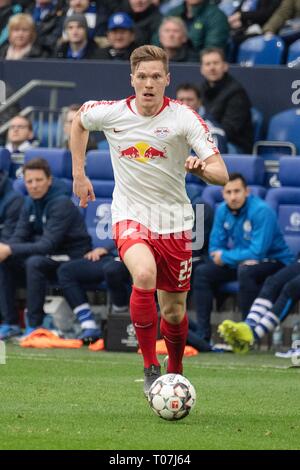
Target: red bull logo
point(142, 152)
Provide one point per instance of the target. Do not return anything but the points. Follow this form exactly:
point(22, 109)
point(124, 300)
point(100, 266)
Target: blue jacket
point(51, 225)
point(253, 233)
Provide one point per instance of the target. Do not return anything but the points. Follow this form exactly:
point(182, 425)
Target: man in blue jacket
point(50, 229)
point(11, 204)
point(245, 245)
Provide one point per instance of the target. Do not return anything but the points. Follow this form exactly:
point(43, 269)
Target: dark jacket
point(51, 225)
point(146, 23)
point(110, 53)
point(35, 52)
point(287, 10)
point(185, 53)
point(11, 204)
point(92, 51)
point(208, 27)
point(228, 103)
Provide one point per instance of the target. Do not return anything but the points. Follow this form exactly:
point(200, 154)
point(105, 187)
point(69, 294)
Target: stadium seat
point(47, 135)
point(251, 167)
point(59, 160)
point(286, 201)
point(103, 145)
point(99, 170)
point(98, 222)
point(194, 186)
point(283, 137)
point(261, 51)
point(293, 57)
point(5, 161)
point(228, 6)
point(257, 121)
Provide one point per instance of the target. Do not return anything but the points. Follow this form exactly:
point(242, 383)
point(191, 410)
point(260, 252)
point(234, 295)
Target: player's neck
point(148, 110)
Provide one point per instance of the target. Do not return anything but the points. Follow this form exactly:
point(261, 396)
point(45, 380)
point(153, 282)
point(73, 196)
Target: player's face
point(37, 183)
point(213, 67)
point(235, 194)
point(189, 98)
point(149, 81)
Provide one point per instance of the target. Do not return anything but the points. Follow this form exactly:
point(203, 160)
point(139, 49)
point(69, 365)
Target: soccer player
point(150, 137)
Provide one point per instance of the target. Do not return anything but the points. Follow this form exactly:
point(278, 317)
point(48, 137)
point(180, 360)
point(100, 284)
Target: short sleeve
point(198, 135)
point(94, 113)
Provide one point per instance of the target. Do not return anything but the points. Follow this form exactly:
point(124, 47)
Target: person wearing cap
point(78, 45)
point(120, 36)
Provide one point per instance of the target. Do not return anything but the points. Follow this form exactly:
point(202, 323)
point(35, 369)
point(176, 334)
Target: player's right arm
point(82, 187)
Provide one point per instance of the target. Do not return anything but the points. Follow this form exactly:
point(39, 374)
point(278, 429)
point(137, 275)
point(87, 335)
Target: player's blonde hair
point(148, 54)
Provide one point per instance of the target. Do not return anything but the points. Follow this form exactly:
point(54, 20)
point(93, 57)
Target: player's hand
point(83, 188)
point(96, 254)
point(194, 165)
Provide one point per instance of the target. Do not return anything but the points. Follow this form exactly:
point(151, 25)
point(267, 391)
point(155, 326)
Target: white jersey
point(148, 155)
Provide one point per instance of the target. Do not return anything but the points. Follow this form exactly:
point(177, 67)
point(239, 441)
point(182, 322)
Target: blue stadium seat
point(228, 6)
point(251, 167)
point(5, 161)
point(99, 170)
point(103, 145)
point(261, 51)
point(293, 57)
point(283, 137)
point(46, 135)
point(194, 186)
point(98, 221)
point(59, 160)
point(257, 121)
point(286, 201)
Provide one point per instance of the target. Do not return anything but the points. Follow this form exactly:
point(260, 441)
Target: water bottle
point(277, 338)
point(296, 332)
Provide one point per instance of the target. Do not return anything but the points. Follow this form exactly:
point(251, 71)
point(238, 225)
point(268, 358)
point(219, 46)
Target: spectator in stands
point(68, 118)
point(245, 244)
point(248, 17)
point(50, 229)
point(275, 301)
point(121, 38)
point(78, 45)
point(7, 10)
point(207, 25)
point(173, 38)
point(189, 94)
point(146, 17)
point(48, 16)
point(75, 277)
point(21, 39)
point(96, 16)
point(288, 10)
point(226, 100)
point(11, 204)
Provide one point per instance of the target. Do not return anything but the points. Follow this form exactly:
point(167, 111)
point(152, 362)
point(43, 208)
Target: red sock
point(144, 318)
point(175, 338)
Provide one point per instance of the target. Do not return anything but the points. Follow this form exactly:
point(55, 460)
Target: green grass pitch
point(77, 399)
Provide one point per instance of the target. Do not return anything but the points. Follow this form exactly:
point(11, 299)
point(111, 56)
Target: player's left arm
point(212, 170)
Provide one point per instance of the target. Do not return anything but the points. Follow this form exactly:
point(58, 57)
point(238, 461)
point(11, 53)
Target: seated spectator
point(19, 139)
point(67, 122)
point(275, 301)
point(7, 10)
point(173, 38)
point(21, 39)
point(207, 25)
point(288, 10)
point(78, 45)
point(75, 277)
point(11, 204)
point(121, 38)
point(146, 17)
point(50, 229)
point(248, 17)
point(48, 16)
point(96, 16)
point(245, 244)
point(226, 100)
point(189, 94)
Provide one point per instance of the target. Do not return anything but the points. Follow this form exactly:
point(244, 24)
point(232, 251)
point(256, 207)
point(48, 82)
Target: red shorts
point(172, 253)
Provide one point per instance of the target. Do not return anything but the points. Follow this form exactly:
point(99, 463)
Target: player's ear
point(168, 79)
point(131, 79)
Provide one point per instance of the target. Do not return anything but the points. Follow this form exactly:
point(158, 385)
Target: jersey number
point(186, 270)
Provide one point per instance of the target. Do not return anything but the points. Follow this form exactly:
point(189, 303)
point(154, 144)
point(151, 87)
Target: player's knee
point(144, 278)
point(173, 312)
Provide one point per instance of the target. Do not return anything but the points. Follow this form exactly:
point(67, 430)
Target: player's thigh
point(140, 262)
point(172, 305)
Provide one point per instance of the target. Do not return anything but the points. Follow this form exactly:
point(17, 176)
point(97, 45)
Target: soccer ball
point(172, 396)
